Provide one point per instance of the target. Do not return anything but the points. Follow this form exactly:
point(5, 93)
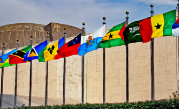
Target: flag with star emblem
point(90, 42)
point(34, 52)
point(157, 26)
point(48, 53)
point(69, 48)
point(175, 28)
point(162, 24)
point(18, 56)
point(114, 37)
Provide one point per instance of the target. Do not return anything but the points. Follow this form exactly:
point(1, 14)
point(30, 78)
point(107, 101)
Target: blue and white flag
point(34, 52)
point(90, 42)
point(5, 56)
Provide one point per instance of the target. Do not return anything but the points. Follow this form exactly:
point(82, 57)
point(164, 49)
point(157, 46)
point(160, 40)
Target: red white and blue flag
point(175, 28)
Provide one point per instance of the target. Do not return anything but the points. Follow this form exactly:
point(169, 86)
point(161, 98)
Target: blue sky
point(74, 12)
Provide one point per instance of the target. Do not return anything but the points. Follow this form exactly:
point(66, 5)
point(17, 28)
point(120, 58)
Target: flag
point(69, 48)
point(48, 53)
point(18, 56)
point(175, 28)
point(132, 33)
point(5, 56)
point(34, 52)
point(162, 24)
point(157, 26)
point(90, 42)
point(113, 37)
point(6, 64)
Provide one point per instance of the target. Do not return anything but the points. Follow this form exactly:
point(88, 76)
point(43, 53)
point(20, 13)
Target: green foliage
point(160, 104)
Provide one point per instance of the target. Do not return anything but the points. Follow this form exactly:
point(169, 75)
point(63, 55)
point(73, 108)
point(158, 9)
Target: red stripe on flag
point(15, 60)
point(121, 32)
point(145, 29)
point(66, 51)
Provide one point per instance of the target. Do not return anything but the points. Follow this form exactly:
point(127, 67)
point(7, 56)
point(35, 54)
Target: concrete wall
point(166, 64)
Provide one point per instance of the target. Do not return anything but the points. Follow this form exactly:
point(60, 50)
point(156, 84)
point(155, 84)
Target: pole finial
point(31, 36)
point(83, 23)
point(48, 32)
point(3, 44)
point(65, 28)
point(151, 5)
point(127, 12)
point(104, 18)
point(17, 40)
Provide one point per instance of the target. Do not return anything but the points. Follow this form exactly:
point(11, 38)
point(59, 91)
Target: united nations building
point(165, 69)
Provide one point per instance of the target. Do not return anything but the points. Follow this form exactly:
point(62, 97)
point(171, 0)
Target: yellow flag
point(157, 25)
point(51, 51)
point(111, 35)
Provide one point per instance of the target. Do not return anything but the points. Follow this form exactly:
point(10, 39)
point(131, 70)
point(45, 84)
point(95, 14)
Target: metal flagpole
point(104, 67)
point(15, 95)
point(46, 85)
point(82, 73)
point(2, 76)
point(177, 48)
point(64, 70)
point(127, 65)
point(152, 62)
point(30, 82)
point(178, 8)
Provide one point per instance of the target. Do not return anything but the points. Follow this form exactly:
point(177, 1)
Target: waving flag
point(157, 26)
point(113, 37)
point(5, 56)
point(18, 56)
point(90, 42)
point(34, 52)
point(48, 53)
point(69, 48)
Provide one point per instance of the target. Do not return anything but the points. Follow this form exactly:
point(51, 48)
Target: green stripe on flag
point(111, 43)
point(169, 19)
point(117, 27)
point(41, 55)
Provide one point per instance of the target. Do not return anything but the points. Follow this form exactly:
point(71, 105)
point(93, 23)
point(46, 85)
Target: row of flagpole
point(82, 74)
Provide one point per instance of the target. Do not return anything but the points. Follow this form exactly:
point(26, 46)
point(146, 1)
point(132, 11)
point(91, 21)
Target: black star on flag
point(158, 26)
point(110, 36)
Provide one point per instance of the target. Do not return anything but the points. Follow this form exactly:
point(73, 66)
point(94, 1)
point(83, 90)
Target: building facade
point(165, 68)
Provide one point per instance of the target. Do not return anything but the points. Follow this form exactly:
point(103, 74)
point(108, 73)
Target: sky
point(75, 12)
